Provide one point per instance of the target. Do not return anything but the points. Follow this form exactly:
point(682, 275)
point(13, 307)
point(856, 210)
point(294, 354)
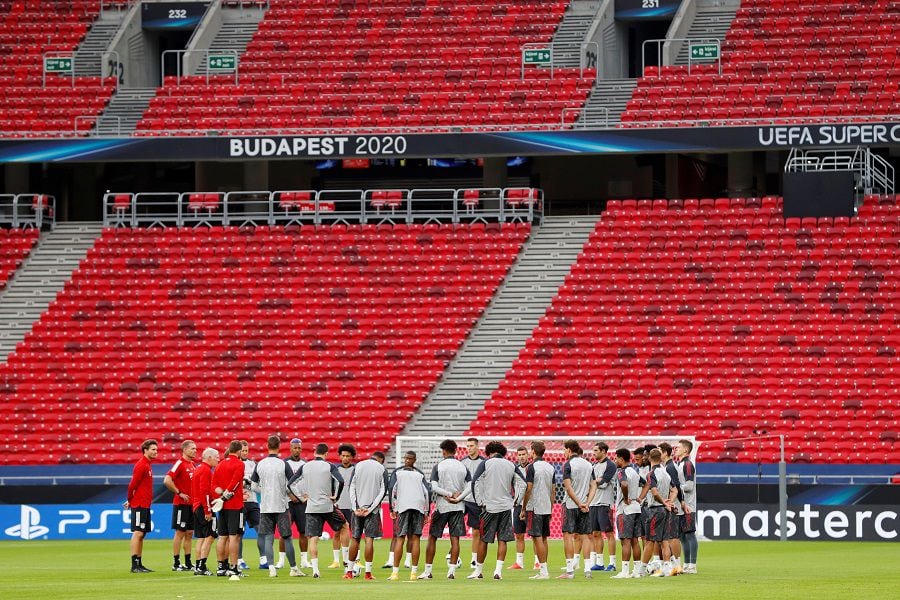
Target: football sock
point(544, 570)
point(593, 559)
point(187, 561)
point(390, 560)
point(427, 569)
point(498, 570)
point(176, 561)
point(479, 568)
point(368, 567)
point(337, 555)
point(520, 559)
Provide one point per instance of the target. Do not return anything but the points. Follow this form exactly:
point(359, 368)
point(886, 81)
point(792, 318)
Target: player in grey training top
point(366, 490)
point(601, 508)
point(628, 510)
point(341, 543)
point(520, 527)
point(672, 538)
point(660, 495)
point(472, 461)
point(271, 476)
point(578, 481)
point(538, 504)
point(688, 528)
point(319, 483)
point(296, 508)
point(494, 486)
point(410, 497)
point(450, 484)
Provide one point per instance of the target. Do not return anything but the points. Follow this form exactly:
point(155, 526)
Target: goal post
point(428, 454)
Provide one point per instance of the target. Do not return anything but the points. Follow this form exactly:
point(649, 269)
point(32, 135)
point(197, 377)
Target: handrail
point(74, 55)
point(179, 67)
point(98, 120)
point(300, 207)
point(660, 58)
point(32, 210)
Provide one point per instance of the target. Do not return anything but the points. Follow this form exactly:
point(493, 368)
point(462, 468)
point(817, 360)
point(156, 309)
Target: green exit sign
point(704, 51)
point(58, 64)
point(538, 57)
point(222, 62)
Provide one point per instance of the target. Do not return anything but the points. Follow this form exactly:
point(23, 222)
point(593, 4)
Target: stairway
point(124, 111)
point(232, 36)
point(606, 103)
point(87, 60)
point(504, 327)
point(40, 278)
point(710, 23)
point(567, 40)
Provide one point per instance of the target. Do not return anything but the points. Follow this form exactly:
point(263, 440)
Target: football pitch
point(732, 570)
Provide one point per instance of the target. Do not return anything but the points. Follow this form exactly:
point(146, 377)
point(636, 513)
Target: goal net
point(428, 454)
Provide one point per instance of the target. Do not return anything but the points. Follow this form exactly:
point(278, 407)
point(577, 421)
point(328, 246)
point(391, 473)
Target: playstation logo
point(29, 526)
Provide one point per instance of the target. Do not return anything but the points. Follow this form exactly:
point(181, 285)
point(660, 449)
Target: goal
point(428, 454)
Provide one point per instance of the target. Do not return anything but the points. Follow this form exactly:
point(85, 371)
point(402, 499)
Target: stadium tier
point(783, 60)
point(719, 318)
point(215, 332)
point(334, 65)
point(32, 105)
point(15, 244)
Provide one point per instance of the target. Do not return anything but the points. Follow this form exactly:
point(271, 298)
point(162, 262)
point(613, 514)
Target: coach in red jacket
point(140, 495)
point(227, 483)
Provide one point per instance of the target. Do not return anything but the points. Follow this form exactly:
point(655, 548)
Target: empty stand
point(15, 244)
point(325, 65)
point(719, 318)
point(331, 334)
point(31, 106)
point(784, 60)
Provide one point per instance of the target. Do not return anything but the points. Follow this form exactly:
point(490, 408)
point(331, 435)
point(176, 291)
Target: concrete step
point(503, 329)
point(40, 278)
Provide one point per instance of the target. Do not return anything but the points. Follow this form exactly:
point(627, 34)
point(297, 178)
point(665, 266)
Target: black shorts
point(473, 514)
point(687, 523)
point(410, 522)
point(231, 522)
point(600, 520)
point(251, 514)
point(315, 522)
point(673, 529)
point(297, 511)
point(140, 520)
point(454, 521)
point(656, 524)
point(520, 526)
point(348, 514)
point(628, 526)
point(203, 528)
point(538, 525)
point(496, 525)
point(644, 520)
point(370, 525)
point(575, 521)
point(182, 517)
point(268, 522)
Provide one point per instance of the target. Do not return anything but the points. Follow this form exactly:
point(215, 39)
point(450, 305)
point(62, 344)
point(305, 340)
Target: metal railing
point(97, 121)
point(585, 122)
point(28, 210)
point(555, 49)
point(310, 207)
point(662, 60)
point(179, 64)
point(105, 71)
point(875, 174)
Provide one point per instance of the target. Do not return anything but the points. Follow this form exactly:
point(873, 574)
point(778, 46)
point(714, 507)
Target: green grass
point(808, 570)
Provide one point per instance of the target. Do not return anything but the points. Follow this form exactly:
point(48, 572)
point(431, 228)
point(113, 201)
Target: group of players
point(645, 497)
